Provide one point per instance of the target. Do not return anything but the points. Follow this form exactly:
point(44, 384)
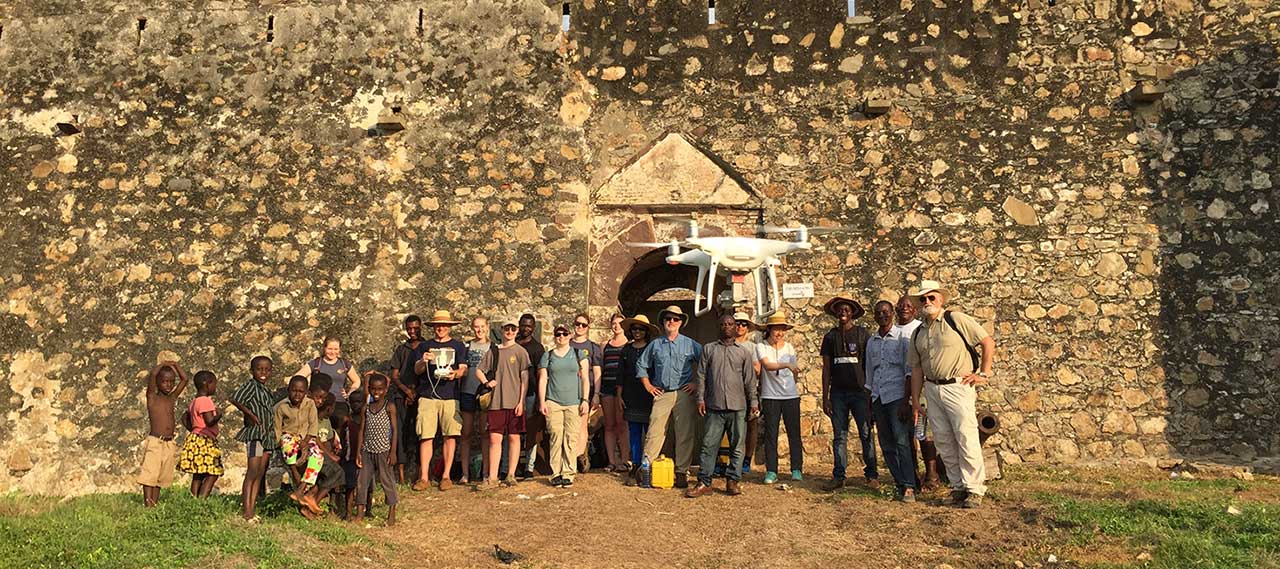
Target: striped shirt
point(257, 399)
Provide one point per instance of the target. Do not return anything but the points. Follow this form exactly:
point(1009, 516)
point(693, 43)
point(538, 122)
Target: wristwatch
point(984, 375)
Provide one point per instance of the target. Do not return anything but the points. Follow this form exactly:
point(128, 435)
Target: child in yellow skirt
point(201, 457)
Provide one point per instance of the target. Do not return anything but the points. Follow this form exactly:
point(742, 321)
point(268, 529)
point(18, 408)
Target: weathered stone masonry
point(229, 193)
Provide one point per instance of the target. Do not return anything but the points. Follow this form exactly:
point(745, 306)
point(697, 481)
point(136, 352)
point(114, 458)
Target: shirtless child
point(159, 452)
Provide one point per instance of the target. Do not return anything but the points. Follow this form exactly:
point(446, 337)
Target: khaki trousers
point(681, 409)
point(953, 418)
point(563, 422)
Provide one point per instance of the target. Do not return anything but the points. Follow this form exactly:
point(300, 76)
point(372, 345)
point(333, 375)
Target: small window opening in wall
point(564, 17)
point(853, 8)
point(142, 25)
point(711, 12)
point(271, 29)
point(420, 18)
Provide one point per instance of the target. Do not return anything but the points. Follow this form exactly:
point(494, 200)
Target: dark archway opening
point(652, 285)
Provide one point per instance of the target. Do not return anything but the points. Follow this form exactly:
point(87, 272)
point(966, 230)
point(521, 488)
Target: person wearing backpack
point(946, 369)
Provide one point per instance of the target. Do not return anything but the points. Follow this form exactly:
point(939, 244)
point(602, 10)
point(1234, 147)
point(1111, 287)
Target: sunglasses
point(743, 324)
point(508, 328)
point(580, 324)
point(672, 319)
point(561, 333)
point(930, 298)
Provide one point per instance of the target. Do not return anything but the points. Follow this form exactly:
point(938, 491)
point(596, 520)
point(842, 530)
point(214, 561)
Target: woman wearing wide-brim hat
point(637, 403)
point(844, 389)
point(779, 396)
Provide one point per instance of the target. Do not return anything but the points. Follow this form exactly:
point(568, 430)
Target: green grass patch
point(115, 530)
point(1198, 534)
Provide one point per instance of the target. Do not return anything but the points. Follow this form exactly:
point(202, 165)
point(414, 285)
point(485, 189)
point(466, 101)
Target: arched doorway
point(652, 285)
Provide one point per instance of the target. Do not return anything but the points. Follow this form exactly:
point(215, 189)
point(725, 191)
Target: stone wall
point(232, 192)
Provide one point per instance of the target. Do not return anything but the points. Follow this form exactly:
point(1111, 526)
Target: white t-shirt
point(779, 384)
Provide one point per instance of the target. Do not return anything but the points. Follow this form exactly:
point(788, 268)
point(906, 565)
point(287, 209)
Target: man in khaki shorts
point(945, 366)
point(438, 411)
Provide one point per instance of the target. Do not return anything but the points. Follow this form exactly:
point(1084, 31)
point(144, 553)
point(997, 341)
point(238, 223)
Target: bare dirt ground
point(601, 523)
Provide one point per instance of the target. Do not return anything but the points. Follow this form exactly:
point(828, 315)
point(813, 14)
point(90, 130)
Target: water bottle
point(646, 473)
point(920, 427)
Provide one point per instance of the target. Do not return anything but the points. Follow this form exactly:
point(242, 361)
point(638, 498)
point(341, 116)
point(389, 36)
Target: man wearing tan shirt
point(945, 367)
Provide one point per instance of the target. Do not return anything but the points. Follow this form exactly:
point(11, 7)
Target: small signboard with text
point(797, 290)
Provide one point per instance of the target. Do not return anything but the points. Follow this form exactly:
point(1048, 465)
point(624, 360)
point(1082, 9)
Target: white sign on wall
point(797, 290)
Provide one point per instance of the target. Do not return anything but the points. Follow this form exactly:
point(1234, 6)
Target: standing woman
point(779, 397)
point(343, 372)
point(615, 443)
point(562, 397)
point(595, 357)
point(637, 402)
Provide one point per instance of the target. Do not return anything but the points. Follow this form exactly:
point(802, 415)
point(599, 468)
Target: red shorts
point(505, 421)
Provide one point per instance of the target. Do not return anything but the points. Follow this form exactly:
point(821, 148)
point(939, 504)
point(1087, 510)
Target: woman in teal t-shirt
point(562, 394)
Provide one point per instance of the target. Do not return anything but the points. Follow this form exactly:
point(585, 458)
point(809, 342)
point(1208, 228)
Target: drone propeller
point(809, 230)
point(651, 244)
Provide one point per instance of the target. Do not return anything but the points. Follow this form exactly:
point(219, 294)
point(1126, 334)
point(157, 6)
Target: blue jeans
point(637, 432)
point(717, 424)
point(858, 404)
point(895, 442)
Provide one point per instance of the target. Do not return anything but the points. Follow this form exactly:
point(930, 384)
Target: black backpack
point(490, 373)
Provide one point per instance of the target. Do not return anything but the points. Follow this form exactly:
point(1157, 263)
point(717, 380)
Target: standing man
point(844, 389)
point(404, 385)
point(534, 422)
point(907, 324)
point(726, 381)
point(665, 369)
point(505, 370)
point(594, 355)
point(438, 411)
point(945, 365)
point(744, 327)
point(888, 378)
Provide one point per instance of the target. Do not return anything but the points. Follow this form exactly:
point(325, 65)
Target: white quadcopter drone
point(738, 257)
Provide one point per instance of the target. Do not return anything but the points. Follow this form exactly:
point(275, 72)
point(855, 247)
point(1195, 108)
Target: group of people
point(338, 432)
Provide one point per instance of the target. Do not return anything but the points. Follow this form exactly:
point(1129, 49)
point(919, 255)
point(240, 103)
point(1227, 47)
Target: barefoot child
point(201, 457)
point(254, 400)
point(158, 450)
point(296, 429)
point(329, 474)
point(377, 448)
point(349, 431)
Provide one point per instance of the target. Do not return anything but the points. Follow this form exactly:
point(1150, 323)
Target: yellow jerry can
point(664, 473)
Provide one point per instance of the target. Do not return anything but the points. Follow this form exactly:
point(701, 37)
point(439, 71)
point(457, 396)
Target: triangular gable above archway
point(674, 172)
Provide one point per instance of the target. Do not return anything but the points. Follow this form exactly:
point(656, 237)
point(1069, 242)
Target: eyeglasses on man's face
point(561, 333)
point(671, 319)
point(930, 298)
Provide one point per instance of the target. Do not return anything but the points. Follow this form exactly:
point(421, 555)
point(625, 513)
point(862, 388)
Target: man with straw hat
point(946, 367)
point(844, 389)
point(665, 368)
point(438, 411)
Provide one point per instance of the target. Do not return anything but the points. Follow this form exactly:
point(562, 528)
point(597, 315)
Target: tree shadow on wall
point(1212, 144)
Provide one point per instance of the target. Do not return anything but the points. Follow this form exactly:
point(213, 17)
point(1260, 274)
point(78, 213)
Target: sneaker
point(556, 482)
point(421, 485)
point(699, 490)
point(770, 477)
point(908, 496)
point(523, 474)
point(566, 483)
point(682, 480)
point(797, 476)
point(958, 497)
point(746, 466)
point(971, 501)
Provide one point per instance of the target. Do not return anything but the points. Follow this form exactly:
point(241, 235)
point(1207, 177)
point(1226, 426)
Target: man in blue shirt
point(888, 379)
point(666, 368)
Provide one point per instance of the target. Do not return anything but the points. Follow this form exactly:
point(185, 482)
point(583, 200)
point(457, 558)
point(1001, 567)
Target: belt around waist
point(936, 381)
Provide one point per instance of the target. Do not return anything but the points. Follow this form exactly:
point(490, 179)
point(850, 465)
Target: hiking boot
point(958, 497)
point(770, 477)
point(733, 488)
point(699, 490)
point(971, 501)
point(421, 485)
point(834, 484)
point(445, 484)
point(682, 480)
